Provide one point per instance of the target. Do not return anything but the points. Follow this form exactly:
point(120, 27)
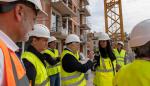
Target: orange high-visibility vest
point(14, 73)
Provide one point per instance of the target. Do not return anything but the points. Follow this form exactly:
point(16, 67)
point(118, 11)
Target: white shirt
point(11, 45)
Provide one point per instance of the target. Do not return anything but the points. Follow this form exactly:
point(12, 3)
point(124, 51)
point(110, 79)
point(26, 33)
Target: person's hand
point(95, 64)
point(90, 55)
point(117, 67)
point(58, 58)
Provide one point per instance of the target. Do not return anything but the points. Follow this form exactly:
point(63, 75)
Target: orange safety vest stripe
point(8, 70)
point(20, 70)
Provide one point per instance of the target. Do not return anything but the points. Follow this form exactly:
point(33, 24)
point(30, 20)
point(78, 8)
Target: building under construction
point(66, 17)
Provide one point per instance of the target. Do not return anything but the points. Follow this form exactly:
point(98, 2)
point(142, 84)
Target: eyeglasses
point(5, 7)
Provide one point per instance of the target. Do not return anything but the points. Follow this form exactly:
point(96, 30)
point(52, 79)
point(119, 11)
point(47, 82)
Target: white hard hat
point(40, 30)
point(120, 42)
point(37, 3)
point(140, 34)
point(72, 38)
point(103, 36)
point(52, 38)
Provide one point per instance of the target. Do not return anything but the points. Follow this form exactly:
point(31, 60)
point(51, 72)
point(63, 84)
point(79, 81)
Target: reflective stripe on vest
point(54, 65)
point(41, 73)
point(23, 81)
point(44, 83)
point(14, 73)
point(1, 67)
point(109, 70)
point(71, 77)
point(74, 78)
point(52, 69)
point(76, 83)
point(104, 73)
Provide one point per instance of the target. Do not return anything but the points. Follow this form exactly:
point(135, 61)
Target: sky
point(134, 11)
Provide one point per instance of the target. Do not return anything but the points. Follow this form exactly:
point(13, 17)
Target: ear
point(34, 40)
point(19, 12)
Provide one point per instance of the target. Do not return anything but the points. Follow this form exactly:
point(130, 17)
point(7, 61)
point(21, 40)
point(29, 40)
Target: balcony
point(85, 11)
point(86, 2)
point(85, 27)
point(61, 33)
point(63, 7)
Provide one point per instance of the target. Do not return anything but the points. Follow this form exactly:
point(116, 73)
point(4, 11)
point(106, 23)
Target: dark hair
point(28, 43)
point(121, 45)
point(7, 6)
point(142, 51)
point(107, 52)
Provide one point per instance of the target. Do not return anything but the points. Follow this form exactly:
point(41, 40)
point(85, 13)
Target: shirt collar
point(9, 43)
point(69, 49)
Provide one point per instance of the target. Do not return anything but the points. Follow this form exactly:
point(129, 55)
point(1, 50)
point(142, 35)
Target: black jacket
point(71, 64)
point(30, 69)
point(50, 59)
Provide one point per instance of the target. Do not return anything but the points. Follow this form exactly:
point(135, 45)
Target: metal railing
point(85, 7)
point(65, 1)
point(59, 29)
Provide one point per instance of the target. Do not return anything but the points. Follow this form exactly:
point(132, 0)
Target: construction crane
point(114, 20)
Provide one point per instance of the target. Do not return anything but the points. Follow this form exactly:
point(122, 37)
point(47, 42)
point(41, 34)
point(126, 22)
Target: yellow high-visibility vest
point(71, 79)
point(51, 70)
point(41, 73)
point(120, 57)
point(104, 72)
point(134, 74)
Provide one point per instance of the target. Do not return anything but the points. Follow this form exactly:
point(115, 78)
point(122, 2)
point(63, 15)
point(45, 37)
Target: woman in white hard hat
point(72, 71)
point(33, 58)
point(105, 67)
point(120, 54)
point(137, 73)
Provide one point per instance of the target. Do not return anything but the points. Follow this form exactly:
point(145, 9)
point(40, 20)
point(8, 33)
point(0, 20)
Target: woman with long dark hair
point(104, 69)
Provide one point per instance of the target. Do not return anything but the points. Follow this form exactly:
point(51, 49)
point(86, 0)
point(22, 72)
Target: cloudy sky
point(134, 11)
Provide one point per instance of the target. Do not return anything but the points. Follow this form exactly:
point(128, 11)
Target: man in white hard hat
point(137, 73)
point(120, 54)
point(33, 58)
point(72, 71)
point(16, 19)
point(53, 62)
